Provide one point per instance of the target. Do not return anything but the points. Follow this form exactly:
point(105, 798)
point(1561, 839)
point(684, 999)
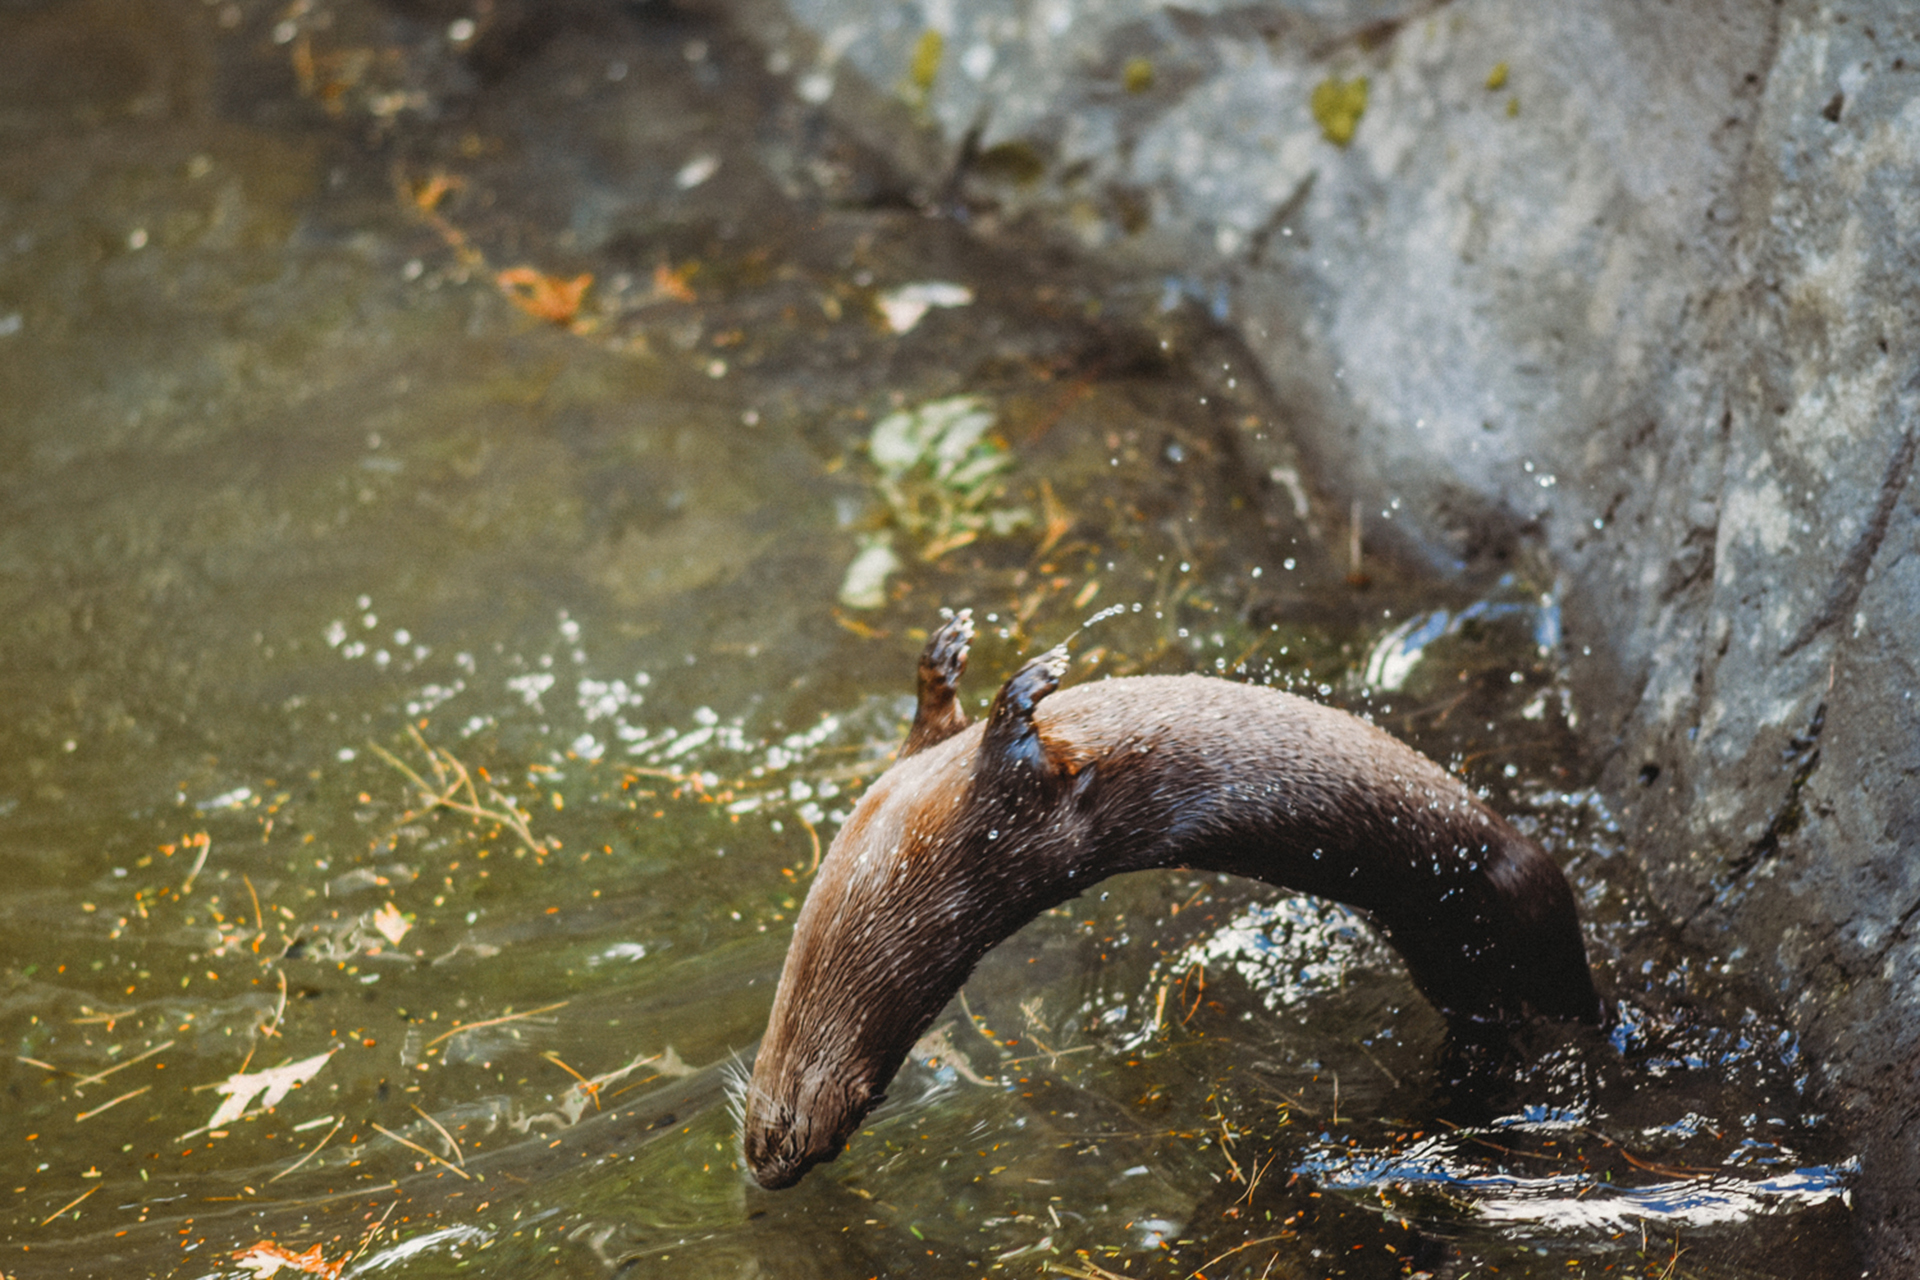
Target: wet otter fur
point(976, 829)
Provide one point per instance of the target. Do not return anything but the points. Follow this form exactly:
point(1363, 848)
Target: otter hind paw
point(942, 663)
point(1011, 739)
point(944, 660)
point(1034, 681)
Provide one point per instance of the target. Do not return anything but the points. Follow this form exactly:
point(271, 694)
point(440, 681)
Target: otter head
point(939, 863)
point(887, 936)
point(841, 1023)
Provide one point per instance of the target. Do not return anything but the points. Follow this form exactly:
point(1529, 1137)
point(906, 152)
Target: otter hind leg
point(1011, 742)
point(942, 663)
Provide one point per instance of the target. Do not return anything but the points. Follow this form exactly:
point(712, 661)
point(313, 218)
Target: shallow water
point(445, 706)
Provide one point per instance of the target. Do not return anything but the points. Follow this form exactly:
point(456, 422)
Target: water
point(445, 706)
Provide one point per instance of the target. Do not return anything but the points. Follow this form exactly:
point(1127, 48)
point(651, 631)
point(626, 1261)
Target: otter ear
point(942, 663)
point(1011, 742)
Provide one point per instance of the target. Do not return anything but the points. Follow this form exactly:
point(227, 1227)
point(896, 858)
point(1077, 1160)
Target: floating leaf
point(391, 924)
point(896, 443)
point(543, 296)
point(959, 430)
point(974, 474)
point(672, 282)
point(265, 1260)
point(904, 307)
point(269, 1086)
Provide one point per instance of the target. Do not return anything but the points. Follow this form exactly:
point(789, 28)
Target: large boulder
point(1627, 281)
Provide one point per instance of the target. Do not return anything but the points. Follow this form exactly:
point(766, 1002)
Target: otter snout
point(788, 1129)
point(778, 1154)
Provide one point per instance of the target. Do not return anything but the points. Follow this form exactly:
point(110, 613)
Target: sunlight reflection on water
point(1571, 1203)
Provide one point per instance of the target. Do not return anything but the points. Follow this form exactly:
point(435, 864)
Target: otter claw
point(1038, 678)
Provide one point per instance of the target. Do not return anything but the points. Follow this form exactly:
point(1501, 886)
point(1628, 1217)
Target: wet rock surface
point(1628, 283)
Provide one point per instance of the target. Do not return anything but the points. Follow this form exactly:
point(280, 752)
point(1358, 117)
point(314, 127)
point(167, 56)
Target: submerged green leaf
point(939, 477)
point(865, 586)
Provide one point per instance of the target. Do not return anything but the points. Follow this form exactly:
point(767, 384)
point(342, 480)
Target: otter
point(978, 828)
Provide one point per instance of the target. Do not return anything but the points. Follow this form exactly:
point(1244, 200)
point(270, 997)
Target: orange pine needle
point(428, 195)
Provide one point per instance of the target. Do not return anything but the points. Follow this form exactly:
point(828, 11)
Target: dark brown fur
point(977, 829)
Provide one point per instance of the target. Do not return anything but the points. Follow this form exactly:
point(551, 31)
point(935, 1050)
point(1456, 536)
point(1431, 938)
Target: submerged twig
point(1691, 1173)
point(98, 1076)
point(979, 1024)
point(1356, 574)
point(103, 1018)
point(453, 778)
point(133, 1093)
point(372, 1233)
point(70, 1204)
point(310, 1155)
point(280, 1011)
point(1259, 1170)
point(1200, 970)
point(591, 1088)
point(414, 1146)
point(1201, 1269)
point(492, 1022)
point(1086, 1270)
point(1051, 1055)
point(814, 836)
point(205, 842)
point(259, 921)
point(1226, 1147)
point(442, 1131)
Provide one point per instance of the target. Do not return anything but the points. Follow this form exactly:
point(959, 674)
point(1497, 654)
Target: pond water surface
point(430, 679)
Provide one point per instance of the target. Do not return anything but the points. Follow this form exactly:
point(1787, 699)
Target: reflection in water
point(1570, 1204)
point(448, 1240)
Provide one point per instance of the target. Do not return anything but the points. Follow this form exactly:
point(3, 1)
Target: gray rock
point(1628, 281)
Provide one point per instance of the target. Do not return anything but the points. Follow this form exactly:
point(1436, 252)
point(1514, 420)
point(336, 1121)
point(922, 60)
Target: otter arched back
point(976, 829)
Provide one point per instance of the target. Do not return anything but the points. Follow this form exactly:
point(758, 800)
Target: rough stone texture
point(1771, 677)
point(1647, 301)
